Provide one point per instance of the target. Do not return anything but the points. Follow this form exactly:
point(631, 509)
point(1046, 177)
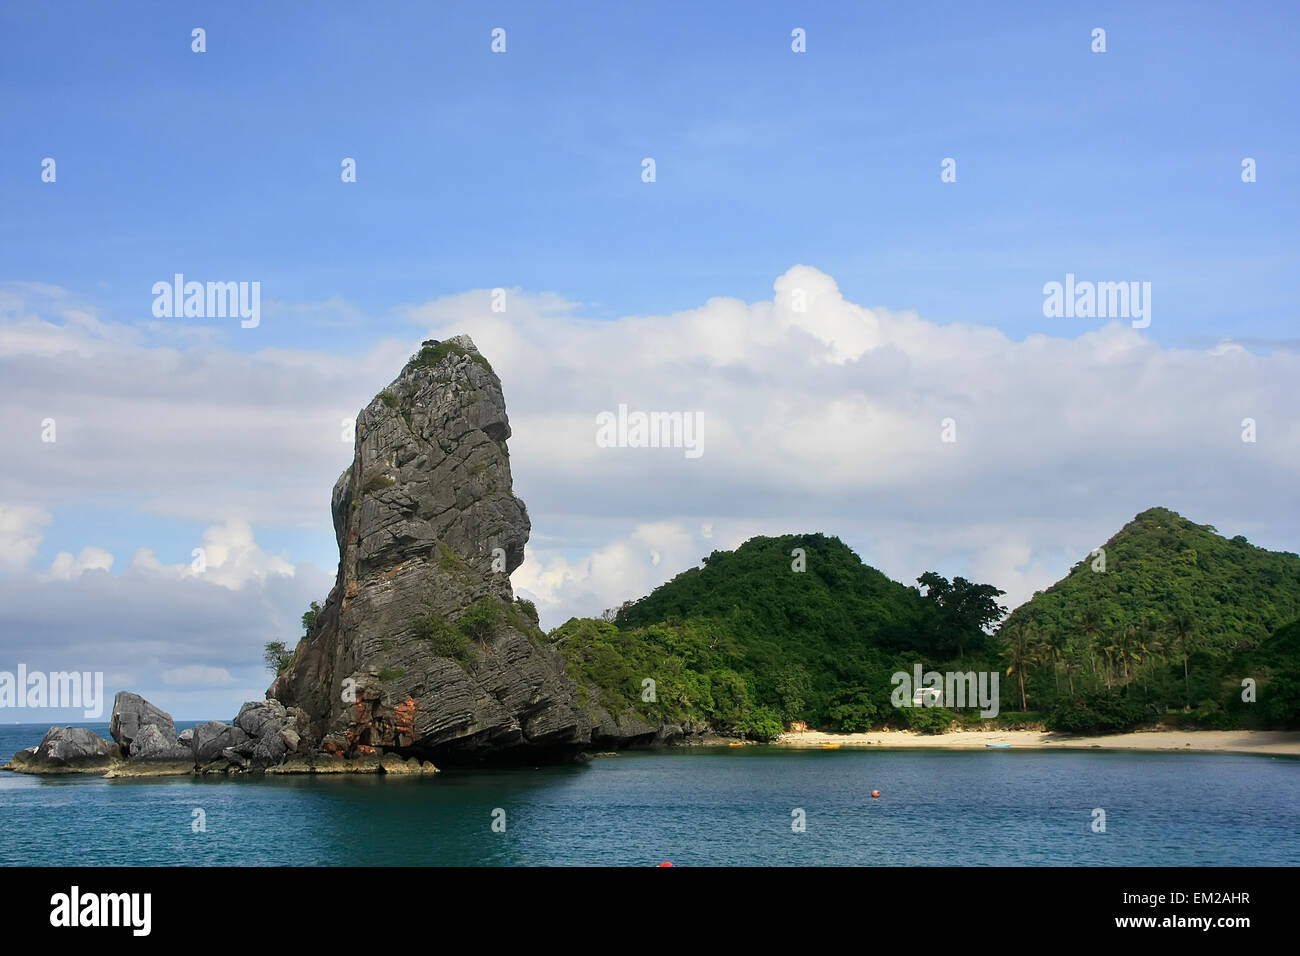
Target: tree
point(792, 686)
point(967, 609)
point(1090, 624)
point(977, 603)
point(309, 617)
point(1071, 665)
point(1020, 650)
point(1055, 654)
point(1126, 647)
point(1182, 630)
point(1147, 647)
point(479, 621)
point(277, 657)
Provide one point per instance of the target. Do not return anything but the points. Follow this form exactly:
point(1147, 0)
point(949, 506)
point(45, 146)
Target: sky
point(798, 273)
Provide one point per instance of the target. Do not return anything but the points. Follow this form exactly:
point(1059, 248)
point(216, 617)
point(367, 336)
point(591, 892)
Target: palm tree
point(1050, 651)
point(1020, 651)
point(1108, 653)
point(1090, 624)
point(1149, 647)
point(1182, 630)
point(1071, 665)
point(1126, 644)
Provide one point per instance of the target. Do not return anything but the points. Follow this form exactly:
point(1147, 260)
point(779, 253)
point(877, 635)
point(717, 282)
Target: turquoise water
point(734, 806)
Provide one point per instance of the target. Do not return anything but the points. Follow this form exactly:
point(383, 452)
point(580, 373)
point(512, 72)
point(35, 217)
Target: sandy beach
point(1258, 742)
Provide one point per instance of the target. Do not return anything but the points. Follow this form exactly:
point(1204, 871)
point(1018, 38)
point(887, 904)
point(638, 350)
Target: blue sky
point(478, 170)
point(481, 170)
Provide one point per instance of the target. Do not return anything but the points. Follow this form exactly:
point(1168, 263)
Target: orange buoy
point(663, 864)
point(875, 793)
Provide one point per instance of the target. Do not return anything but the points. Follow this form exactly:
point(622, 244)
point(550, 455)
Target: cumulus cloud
point(229, 557)
point(66, 566)
point(190, 645)
point(824, 415)
point(590, 583)
point(819, 414)
point(168, 425)
point(21, 533)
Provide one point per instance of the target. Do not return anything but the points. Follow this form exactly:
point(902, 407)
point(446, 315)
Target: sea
point(757, 806)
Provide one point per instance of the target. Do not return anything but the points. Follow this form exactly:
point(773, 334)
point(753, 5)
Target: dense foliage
point(1171, 624)
point(1161, 566)
point(1167, 617)
point(781, 629)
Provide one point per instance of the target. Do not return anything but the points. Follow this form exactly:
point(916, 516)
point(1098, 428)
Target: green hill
point(758, 637)
point(1159, 567)
point(1178, 618)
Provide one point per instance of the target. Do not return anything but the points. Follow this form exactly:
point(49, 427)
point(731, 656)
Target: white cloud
point(829, 420)
point(192, 648)
point(826, 419)
point(153, 420)
point(66, 566)
point(20, 534)
point(229, 557)
point(563, 587)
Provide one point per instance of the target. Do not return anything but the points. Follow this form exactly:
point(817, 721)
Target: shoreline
point(1268, 743)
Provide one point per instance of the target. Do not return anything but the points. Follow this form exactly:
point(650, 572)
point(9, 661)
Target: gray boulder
point(132, 712)
point(289, 735)
point(271, 749)
point(153, 743)
point(210, 739)
point(74, 746)
point(67, 750)
point(258, 716)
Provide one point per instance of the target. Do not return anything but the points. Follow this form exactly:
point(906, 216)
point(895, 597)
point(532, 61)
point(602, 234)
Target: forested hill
point(1161, 568)
point(797, 628)
point(812, 588)
point(781, 629)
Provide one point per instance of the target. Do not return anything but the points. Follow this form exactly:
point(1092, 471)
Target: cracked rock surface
point(428, 531)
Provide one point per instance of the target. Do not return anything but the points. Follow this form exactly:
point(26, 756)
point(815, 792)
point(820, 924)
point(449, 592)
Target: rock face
point(131, 712)
point(151, 743)
point(419, 647)
point(70, 749)
point(210, 739)
point(257, 717)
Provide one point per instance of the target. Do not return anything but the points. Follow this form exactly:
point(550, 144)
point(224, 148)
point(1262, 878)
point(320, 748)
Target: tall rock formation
point(420, 647)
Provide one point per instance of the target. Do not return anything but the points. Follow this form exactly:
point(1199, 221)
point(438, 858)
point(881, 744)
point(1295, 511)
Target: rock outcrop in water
point(263, 738)
point(420, 647)
point(67, 750)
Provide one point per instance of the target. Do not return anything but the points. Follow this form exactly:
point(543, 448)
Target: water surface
point(695, 808)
